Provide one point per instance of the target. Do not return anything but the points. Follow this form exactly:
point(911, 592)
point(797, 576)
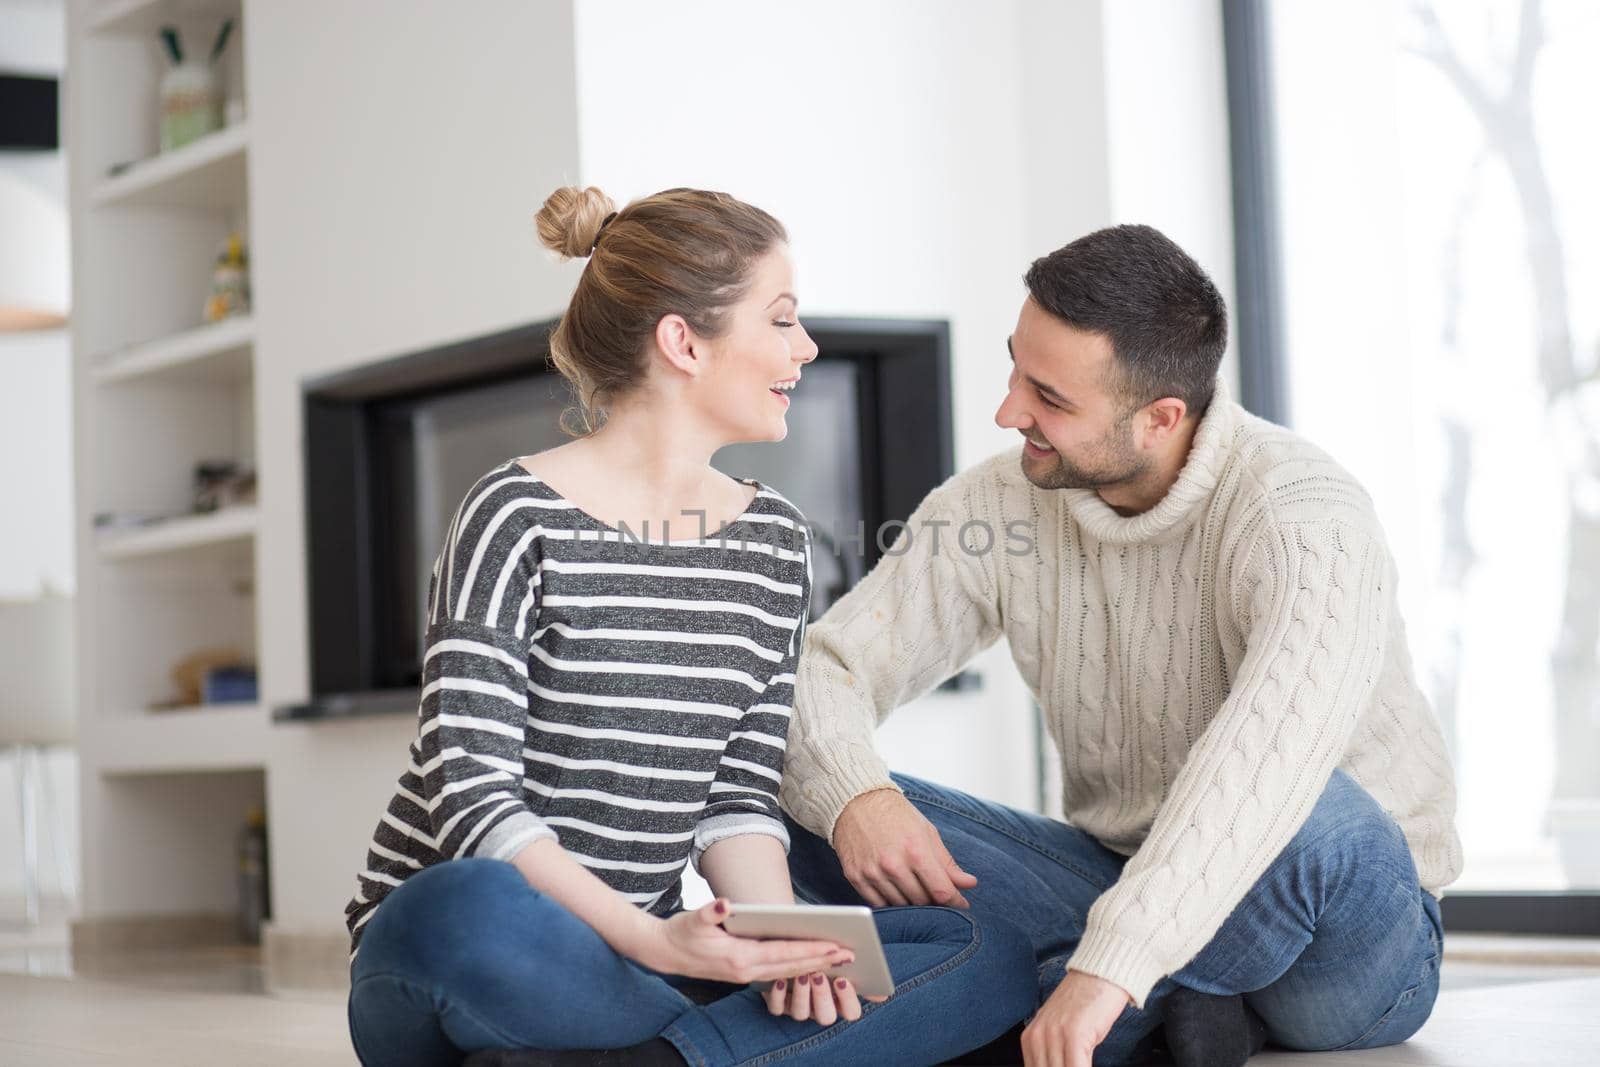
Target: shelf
point(214, 353)
point(215, 737)
point(142, 18)
point(207, 173)
point(176, 535)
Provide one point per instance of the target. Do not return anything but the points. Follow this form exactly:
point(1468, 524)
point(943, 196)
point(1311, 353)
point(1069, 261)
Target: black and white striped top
point(624, 694)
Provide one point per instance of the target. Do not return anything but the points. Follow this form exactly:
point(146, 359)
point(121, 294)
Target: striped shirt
point(621, 693)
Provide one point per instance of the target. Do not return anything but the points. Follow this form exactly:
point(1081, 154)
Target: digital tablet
point(848, 927)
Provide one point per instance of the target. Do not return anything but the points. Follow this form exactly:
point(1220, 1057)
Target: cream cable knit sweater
point(1202, 667)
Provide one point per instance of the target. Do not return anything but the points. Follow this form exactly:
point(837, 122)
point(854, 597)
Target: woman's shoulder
point(507, 495)
point(510, 480)
point(769, 506)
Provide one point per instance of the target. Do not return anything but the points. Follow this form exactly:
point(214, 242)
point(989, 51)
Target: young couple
point(1259, 806)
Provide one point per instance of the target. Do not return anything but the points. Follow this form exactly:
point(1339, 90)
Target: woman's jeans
point(1336, 946)
point(465, 955)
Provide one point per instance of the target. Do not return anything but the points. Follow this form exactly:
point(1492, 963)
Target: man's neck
point(1139, 494)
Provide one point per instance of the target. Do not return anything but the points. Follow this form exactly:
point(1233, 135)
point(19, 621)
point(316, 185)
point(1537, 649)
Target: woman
point(607, 679)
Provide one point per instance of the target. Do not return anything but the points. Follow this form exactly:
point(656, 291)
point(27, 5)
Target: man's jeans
point(1337, 946)
point(465, 955)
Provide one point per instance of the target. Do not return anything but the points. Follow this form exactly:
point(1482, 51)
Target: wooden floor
point(212, 1008)
point(55, 1022)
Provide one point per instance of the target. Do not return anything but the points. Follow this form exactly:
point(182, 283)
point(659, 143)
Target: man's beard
point(1109, 461)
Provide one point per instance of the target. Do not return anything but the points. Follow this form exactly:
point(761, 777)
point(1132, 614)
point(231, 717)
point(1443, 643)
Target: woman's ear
point(678, 344)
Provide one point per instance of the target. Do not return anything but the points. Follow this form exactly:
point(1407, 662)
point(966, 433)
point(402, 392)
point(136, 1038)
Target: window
point(1438, 241)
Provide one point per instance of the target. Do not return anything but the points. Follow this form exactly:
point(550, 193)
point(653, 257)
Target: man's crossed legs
point(1336, 946)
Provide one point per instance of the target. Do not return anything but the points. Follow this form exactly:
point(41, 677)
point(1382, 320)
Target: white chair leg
point(66, 872)
point(27, 789)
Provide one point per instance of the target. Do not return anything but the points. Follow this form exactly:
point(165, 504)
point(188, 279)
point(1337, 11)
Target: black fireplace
point(391, 448)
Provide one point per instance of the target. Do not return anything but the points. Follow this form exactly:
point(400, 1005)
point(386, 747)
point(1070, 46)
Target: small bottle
point(254, 903)
point(191, 104)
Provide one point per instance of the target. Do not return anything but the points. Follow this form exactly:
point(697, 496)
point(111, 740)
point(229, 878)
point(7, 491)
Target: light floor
point(212, 1008)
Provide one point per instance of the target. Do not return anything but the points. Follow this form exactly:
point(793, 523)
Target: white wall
point(1167, 117)
point(35, 368)
point(395, 167)
point(35, 413)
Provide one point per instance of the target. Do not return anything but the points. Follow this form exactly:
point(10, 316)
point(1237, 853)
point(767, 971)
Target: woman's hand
point(815, 996)
point(693, 943)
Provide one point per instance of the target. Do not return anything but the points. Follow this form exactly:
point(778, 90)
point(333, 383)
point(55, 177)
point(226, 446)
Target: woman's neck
point(656, 455)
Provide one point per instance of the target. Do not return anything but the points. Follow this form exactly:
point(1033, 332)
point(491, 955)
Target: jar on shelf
point(191, 103)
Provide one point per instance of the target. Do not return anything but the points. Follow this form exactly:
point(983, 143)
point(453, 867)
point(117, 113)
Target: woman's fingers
point(844, 995)
point(781, 959)
point(823, 1008)
point(777, 996)
point(800, 1002)
point(779, 951)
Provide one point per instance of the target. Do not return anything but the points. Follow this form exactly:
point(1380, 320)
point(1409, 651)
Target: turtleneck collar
point(1196, 481)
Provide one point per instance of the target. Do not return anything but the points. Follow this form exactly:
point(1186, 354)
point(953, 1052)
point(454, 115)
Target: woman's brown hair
point(688, 252)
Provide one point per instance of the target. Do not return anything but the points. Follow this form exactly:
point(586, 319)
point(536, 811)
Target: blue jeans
point(1336, 946)
point(465, 955)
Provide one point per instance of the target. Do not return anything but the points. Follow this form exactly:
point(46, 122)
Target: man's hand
point(1073, 1022)
point(894, 856)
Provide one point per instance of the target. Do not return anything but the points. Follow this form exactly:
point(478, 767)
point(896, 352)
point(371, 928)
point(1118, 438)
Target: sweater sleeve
point(1316, 599)
point(472, 719)
point(928, 607)
point(744, 794)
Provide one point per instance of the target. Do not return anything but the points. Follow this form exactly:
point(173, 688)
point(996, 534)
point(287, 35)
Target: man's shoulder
point(1291, 477)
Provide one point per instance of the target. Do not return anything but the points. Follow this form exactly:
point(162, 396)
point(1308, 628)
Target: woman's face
point(758, 358)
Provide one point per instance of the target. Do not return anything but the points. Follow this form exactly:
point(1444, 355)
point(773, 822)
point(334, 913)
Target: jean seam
point(350, 1021)
point(1049, 854)
point(693, 1050)
point(924, 978)
point(1405, 998)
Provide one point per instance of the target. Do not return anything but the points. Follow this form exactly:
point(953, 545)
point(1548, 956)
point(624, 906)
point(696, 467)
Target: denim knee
point(1001, 969)
point(1347, 825)
point(438, 911)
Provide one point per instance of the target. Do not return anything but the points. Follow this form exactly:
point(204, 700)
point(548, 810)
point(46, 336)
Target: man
point(1259, 805)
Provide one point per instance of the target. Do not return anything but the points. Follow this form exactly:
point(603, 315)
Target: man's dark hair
point(1166, 321)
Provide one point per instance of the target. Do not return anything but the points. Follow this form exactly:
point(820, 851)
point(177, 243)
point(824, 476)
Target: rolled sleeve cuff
point(511, 835)
point(736, 824)
point(822, 779)
point(1118, 960)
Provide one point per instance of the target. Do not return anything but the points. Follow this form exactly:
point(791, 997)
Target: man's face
point(1061, 398)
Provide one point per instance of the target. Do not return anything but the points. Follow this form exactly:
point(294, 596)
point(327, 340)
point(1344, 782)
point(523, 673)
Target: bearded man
point(1259, 803)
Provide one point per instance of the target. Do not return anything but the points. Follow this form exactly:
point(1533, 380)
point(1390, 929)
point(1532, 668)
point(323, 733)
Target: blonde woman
point(608, 675)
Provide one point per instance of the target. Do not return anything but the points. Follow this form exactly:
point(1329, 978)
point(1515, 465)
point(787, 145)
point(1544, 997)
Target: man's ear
point(677, 341)
point(1162, 419)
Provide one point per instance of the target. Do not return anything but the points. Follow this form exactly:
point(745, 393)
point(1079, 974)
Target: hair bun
point(571, 219)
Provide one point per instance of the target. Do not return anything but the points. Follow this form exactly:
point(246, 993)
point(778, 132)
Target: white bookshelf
point(217, 352)
point(208, 173)
point(178, 534)
point(144, 17)
point(195, 740)
point(157, 390)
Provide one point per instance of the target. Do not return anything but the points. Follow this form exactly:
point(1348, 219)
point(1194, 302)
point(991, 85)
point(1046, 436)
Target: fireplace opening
point(392, 447)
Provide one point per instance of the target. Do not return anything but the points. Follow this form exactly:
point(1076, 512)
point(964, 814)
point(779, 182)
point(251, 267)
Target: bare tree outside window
point(1502, 103)
point(1438, 163)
